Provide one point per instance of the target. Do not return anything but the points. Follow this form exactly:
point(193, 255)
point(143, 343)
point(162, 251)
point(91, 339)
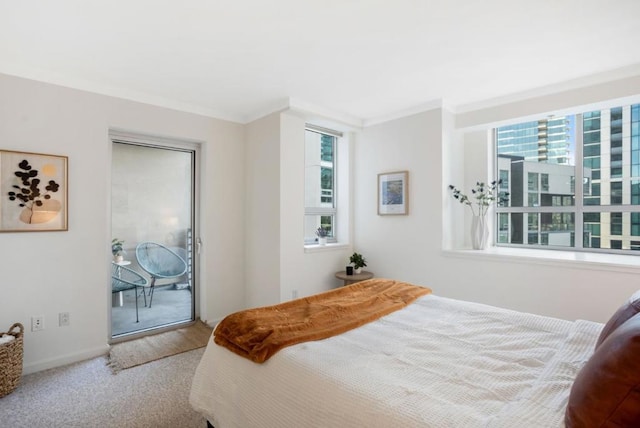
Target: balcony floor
point(171, 305)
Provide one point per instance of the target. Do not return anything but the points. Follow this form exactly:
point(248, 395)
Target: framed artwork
point(34, 192)
point(393, 193)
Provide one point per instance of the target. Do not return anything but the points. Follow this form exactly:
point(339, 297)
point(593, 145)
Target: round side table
point(351, 279)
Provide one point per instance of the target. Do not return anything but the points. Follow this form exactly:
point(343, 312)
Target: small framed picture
point(393, 193)
point(33, 190)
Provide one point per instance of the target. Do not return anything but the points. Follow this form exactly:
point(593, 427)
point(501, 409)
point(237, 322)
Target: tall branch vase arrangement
point(482, 196)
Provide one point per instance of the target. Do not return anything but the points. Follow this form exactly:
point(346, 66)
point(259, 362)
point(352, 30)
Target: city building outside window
point(542, 161)
point(320, 184)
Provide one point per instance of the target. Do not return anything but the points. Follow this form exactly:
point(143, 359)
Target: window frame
point(325, 211)
point(580, 207)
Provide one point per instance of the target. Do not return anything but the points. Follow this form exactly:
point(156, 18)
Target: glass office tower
point(546, 140)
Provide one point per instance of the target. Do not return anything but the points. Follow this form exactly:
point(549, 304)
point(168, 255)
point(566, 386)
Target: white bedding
point(437, 363)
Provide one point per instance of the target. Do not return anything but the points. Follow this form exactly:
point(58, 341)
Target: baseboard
point(64, 360)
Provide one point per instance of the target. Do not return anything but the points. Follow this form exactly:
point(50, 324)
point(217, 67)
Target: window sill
point(572, 259)
point(314, 248)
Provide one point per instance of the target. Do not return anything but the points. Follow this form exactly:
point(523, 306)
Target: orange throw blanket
point(257, 334)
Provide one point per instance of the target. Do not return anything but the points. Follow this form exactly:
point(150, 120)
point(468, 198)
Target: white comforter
point(437, 363)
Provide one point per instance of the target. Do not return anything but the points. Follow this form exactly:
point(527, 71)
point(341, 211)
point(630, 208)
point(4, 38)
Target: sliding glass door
point(152, 218)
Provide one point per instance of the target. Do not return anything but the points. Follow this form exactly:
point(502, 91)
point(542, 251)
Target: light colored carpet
point(150, 348)
point(88, 394)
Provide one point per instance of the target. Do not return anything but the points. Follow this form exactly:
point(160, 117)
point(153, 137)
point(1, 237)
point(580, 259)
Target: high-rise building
point(546, 140)
point(611, 148)
point(533, 185)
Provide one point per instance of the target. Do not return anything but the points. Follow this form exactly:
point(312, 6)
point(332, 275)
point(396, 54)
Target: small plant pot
point(322, 240)
point(357, 271)
point(118, 258)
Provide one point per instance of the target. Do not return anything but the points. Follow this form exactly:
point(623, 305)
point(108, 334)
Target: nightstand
point(351, 279)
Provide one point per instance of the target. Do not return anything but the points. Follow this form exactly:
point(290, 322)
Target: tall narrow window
point(320, 184)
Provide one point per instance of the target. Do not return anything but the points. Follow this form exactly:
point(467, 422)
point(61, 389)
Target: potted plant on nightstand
point(358, 262)
point(117, 249)
point(322, 236)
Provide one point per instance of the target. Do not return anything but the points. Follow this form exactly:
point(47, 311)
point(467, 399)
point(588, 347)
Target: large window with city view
point(320, 184)
point(541, 161)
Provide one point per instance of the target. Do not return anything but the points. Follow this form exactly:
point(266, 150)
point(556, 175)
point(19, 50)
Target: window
point(503, 228)
point(616, 193)
point(320, 183)
point(503, 189)
point(544, 182)
point(544, 159)
point(635, 224)
point(616, 223)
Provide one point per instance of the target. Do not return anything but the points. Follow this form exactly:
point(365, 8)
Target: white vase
point(322, 240)
point(357, 271)
point(479, 232)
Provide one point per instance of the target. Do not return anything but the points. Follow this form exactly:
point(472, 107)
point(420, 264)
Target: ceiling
point(363, 60)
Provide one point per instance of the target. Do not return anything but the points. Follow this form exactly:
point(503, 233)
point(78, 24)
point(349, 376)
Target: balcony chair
point(159, 262)
point(124, 278)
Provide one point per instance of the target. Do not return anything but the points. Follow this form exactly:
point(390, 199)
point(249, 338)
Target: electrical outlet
point(37, 323)
point(63, 319)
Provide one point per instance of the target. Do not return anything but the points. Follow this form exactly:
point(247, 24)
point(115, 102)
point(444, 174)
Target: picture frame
point(33, 192)
point(393, 193)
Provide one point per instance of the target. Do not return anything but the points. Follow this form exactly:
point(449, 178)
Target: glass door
point(152, 224)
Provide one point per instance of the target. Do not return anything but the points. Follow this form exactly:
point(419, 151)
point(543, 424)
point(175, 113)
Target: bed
point(438, 362)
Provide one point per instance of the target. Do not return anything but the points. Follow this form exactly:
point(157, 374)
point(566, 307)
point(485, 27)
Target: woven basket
point(11, 361)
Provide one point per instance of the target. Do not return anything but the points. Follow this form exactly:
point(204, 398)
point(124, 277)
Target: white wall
point(262, 202)
point(221, 201)
point(398, 246)
point(291, 207)
point(46, 273)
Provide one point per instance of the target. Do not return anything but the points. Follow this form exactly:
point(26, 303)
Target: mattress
point(437, 363)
